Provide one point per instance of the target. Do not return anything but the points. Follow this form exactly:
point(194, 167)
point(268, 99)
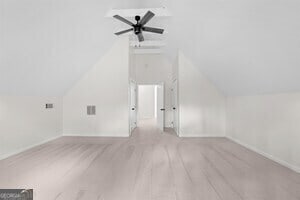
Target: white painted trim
point(148, 43)
point(96, 135)
point(129, 105)
point(28, 147)
point(147, 51)
point(187, 135)
point(273, 158)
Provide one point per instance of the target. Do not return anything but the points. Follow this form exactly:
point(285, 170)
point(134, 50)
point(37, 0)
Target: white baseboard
point(95, 135)
point(28, 147)
point(187, 135)
point(277, 160)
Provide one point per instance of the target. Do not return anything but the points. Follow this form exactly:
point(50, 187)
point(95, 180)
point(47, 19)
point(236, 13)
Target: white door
point(160, 106)
point(175, 105)
point(133, 99)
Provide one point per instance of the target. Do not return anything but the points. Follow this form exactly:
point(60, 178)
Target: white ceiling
point(131, 13)
point(244, 46)
point(46, 46)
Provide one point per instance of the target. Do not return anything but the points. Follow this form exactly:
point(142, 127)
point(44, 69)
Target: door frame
point(131, 81)
point(176, 110)
point(162, 108)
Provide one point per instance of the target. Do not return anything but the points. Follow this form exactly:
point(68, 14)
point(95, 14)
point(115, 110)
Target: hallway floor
point(149, 165)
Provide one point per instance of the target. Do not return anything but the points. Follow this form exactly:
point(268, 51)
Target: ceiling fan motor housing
point(137, 29)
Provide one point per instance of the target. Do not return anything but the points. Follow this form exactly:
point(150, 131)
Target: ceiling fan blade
point(123, 20)
point(140, 37)
point(147, 18)
point(125, 31)
point(153, 30)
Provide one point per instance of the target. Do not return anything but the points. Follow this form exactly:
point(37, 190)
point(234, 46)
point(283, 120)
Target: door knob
point(174, 108)
point(132, 109)
point(162, 109)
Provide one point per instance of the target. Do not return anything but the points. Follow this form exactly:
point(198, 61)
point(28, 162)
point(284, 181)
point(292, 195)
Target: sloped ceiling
point(46, 46)
point(245, 47)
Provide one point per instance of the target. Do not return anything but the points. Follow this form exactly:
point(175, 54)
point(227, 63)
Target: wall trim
point(266, 155)
point(187, 135)
point(95, 135)
point(2, 157)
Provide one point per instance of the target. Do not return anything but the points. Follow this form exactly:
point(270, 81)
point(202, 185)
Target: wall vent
point(91, 110)
point(49, 105)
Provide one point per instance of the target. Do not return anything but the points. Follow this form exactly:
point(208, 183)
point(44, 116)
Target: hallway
point(149, 165)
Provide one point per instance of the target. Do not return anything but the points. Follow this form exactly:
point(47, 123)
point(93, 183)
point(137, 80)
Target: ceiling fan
point(139, 27)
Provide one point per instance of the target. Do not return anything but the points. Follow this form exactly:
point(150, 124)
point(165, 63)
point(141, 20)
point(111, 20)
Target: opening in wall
point(151, 106)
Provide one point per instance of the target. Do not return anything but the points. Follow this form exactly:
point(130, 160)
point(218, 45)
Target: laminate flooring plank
point(149, 165)
point(186, 187)
point(142, 184)
point(249, 184)
point(162, 180)
point(200, 170)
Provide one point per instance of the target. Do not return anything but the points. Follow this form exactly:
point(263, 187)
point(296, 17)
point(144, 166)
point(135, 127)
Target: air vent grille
point(49, 105)
point(91, 110)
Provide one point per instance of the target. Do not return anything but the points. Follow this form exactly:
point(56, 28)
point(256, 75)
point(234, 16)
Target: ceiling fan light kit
point(139, 27)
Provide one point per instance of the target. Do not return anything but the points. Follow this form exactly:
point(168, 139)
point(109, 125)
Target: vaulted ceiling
point(245, 47)
point(46, 46)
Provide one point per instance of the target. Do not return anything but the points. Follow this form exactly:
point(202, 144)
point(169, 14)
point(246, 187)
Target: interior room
point(147, 105)
point(150, 100)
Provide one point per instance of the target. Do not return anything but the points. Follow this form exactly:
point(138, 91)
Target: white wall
point(24, 122)
point(146, 102)
point(269, 124)
point(201, 104)
point(106, 86)
point(155, 69)
point(132, 70)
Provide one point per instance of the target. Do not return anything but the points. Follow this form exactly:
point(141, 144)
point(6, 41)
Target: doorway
point(150, 106)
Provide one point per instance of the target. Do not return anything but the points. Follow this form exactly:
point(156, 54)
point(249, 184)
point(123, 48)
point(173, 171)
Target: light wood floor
point(148, 165)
